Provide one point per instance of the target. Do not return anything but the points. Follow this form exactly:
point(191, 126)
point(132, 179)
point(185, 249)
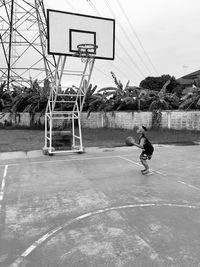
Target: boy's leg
point(143, 159)
point(144, 163)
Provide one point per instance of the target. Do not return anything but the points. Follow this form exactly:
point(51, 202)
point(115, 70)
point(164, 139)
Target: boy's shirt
point(147, 146)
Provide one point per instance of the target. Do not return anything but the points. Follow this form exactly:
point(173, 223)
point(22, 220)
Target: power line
point(94, 8)
point(134, 32)
point(131, 43)
point(71, 6)
point(120, 58)
point(120, 71)
point(122, 47)
point(125, 51)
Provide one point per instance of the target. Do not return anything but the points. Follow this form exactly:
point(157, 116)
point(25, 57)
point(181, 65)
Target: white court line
point(94, 158)
point(3, 185)
point(48, 235)
point(136, 163)
point(60, 160)
point(189, 185)
point(163, 174)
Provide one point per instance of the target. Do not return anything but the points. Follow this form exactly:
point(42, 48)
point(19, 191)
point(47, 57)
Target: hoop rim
point(87, 46)
point(84, 49)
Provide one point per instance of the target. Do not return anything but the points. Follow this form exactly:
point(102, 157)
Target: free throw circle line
point(48, 235)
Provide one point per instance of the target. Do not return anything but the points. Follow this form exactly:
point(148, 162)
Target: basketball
point(129, 141)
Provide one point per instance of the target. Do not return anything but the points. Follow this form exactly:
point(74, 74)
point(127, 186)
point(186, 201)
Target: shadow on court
point(97, 209)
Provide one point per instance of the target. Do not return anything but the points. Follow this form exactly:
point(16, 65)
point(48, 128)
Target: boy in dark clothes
point(147, 149)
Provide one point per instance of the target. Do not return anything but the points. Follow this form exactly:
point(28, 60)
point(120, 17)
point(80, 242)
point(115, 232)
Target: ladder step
point(75, 73)
point(74, 95)
point(63, 101)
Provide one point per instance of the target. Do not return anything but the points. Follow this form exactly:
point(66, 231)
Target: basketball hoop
point(86, 51)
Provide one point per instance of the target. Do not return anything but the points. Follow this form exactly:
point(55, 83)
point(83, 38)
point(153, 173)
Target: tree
point(156, 83)
point(30, 99)
point(162, 101)
point(128, 97)
point(4, 97)
point(135, 98)
point(178, 90)
point(191, 98)
point(173, 84)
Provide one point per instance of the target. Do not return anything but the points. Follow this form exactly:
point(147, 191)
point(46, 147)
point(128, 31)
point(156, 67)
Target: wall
point(181, 120)
point(126, 120)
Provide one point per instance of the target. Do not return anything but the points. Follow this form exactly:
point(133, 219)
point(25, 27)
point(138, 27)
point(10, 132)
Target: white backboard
point(67, 30)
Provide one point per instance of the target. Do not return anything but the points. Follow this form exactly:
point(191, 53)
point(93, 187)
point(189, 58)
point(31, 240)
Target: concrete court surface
point(96, 209)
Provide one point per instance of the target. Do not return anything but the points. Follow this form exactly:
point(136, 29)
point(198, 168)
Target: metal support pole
point(10, 44)
point(74, 113)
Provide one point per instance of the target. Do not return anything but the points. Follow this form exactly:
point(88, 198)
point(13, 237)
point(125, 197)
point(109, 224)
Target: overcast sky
point(153, 37)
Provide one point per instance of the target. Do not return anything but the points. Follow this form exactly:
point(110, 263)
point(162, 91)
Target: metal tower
point(23, 43)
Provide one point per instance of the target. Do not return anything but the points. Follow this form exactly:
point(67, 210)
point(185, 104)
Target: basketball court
point(97, 209)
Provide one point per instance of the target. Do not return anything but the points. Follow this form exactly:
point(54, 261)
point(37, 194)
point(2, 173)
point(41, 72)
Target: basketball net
point(86, 51)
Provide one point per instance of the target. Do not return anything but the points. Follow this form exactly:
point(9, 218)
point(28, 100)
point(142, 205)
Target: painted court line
point(48, 235)
point(60, 160)
point(189, 185)
point(163, 174)
point(136, 163)
point(2, 189)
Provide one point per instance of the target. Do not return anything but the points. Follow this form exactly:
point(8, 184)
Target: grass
point(25, 139)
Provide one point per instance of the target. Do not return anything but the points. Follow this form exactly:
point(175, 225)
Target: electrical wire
point(141, 76)
point(71, 6)
point(135, 34)
point(128, 38)
point(98, 13)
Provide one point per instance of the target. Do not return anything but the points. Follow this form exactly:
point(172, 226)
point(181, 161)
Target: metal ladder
point(74, 100)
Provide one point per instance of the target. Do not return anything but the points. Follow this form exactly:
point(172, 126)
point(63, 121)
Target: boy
point(147, 149)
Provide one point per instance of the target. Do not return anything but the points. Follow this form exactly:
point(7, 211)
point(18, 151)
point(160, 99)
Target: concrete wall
point(126, 120)
point(181, 120)
point(116, 119)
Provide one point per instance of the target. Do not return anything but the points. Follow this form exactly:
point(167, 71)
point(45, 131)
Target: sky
point(152, 37)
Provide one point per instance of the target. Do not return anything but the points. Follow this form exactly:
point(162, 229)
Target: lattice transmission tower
point(23, 43)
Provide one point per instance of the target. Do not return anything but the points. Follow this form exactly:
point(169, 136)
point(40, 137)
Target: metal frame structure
point(75, 100)
point(24, 38)
point(23, 43)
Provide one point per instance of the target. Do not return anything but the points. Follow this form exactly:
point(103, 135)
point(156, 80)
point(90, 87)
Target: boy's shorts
point(144, 156)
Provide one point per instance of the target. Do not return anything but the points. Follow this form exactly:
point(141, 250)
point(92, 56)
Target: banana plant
point(191, 97)
point(164, 100)
point(30, 99)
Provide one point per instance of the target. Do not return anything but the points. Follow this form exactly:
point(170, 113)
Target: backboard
point(67, 30)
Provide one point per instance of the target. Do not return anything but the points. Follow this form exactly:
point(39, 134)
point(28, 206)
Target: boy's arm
point(141, 144)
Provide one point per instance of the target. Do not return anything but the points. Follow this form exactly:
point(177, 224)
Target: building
point(190, 79)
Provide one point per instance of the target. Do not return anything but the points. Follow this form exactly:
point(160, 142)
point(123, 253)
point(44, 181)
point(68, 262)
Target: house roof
point(185, 81)
point(189, 78)
point(192, 76)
